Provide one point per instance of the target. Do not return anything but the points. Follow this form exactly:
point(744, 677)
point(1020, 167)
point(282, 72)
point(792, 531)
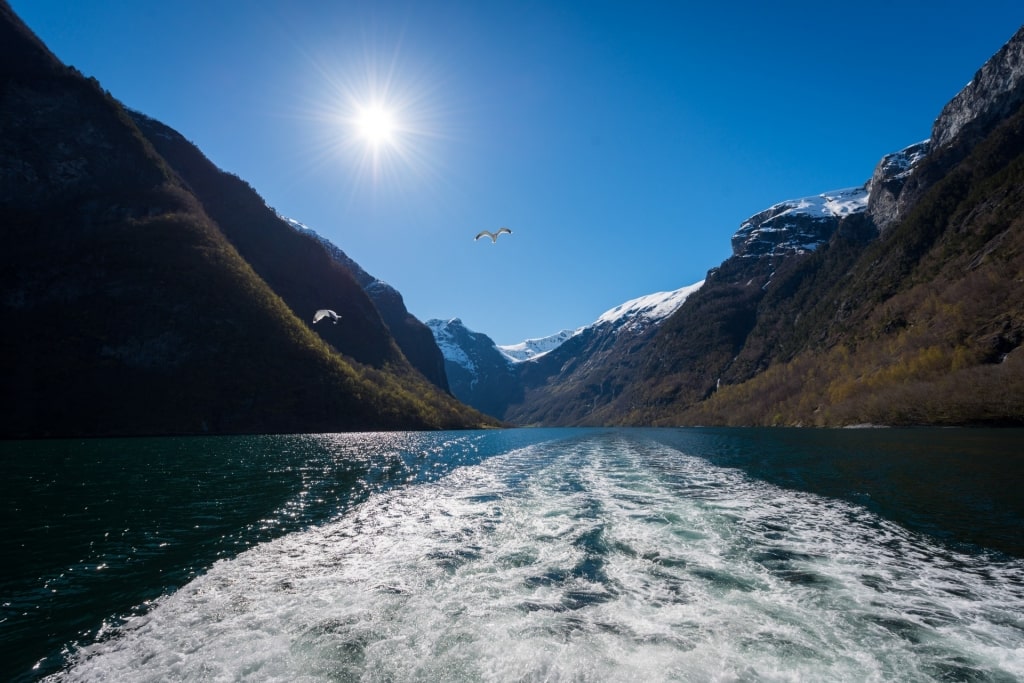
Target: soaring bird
point(492, 235)
point(325, 313)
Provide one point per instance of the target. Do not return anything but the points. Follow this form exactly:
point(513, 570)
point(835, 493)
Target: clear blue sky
point(622, 142)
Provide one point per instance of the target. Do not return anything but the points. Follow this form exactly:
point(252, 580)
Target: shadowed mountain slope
point(127, 310)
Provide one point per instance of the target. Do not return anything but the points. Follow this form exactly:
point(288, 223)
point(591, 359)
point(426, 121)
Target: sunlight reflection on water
point(601, 555)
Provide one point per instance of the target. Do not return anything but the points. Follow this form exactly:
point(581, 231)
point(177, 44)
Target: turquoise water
point(517, 555)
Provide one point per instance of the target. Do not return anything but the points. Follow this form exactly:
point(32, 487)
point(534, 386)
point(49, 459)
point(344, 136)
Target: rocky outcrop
point(996, 91)
point(797, 225)
point(993, 94)
point(886, 184)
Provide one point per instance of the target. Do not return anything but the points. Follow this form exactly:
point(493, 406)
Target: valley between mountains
point(135, 272)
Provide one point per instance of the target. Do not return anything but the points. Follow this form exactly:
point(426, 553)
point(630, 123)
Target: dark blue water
point(111, 548)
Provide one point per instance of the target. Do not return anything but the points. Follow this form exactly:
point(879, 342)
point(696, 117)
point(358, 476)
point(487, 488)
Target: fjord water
point(691, 554)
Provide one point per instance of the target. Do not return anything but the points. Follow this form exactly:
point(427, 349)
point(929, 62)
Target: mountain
point(542, 381)
point(531, 349)
point(145, 294)
point(479, 374)
point(414, 338)
point(912, 311)
point(899, 301)
point(797, 225)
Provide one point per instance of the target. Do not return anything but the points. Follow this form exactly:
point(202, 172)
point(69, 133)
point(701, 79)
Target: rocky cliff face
point(887, 183)
point(993, 94)
point(838, 333)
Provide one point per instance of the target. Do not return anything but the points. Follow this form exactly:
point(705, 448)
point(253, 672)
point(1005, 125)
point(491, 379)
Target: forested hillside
point(127, 309)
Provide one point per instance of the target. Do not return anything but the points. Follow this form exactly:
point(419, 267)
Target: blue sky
point(622, 142)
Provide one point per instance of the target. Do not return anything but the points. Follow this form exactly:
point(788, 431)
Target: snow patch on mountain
point(834, 204)
point(535, 348)
point(898, 165)
point(634, 315)
point(449, 345)
point(798, 225)
point(644, 310)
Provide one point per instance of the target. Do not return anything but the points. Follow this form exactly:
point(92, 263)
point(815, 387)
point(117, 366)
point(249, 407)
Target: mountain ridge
point(126, 308)
point(508, 381)
point(789, 329)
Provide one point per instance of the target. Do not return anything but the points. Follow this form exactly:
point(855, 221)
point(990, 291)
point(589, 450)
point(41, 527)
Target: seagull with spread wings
point(492, 235)
point(326, 313)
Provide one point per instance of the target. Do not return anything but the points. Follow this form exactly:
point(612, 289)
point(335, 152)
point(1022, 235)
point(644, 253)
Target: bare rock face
point(884, 202)
point(996, 90)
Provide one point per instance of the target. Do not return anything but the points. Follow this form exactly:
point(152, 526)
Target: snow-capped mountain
point(634, 315)
point(450, 336)
point(493, 378)
point(800, 225)
point(478, 373)
point(646, 310)
point(797, 225)
point(530, 349)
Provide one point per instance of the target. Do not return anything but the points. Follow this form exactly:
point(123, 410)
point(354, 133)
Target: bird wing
point(505, 230)
point(320, 315)
point(484, 232)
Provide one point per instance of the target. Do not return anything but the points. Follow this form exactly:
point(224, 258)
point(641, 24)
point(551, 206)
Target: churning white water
point(594, 559)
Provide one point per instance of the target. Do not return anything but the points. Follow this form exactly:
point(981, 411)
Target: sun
point(379, 123)
point(376, 125)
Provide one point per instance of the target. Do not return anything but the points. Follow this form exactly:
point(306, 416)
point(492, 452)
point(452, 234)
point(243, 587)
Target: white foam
point(586, 560)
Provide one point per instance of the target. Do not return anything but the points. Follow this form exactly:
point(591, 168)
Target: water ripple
point(602, 557)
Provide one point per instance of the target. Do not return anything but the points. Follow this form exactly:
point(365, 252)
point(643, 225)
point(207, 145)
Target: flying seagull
point(492, 235)
point(325, 313)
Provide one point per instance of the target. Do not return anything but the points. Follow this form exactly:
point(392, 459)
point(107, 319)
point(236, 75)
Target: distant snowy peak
point(535, 348)
point(634, 316)
point(797, 225)
point(448, 334)
point(652, 308)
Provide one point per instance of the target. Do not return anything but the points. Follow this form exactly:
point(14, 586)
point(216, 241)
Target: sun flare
point(376, 125)
point(382, 123)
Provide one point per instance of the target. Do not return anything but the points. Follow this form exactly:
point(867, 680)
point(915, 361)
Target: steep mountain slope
point(896, 302)
point(414, 338)
point(578, 382)
point(479, 374)
point(918, 324)
point(295, 265)
point(126, 309)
